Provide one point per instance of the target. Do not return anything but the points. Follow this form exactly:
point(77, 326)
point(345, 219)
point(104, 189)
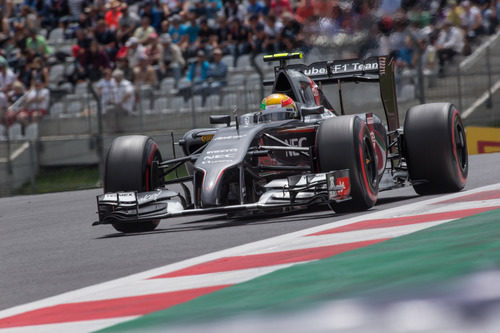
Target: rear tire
point(128, 168)
point(345, 143)
point(436, 149)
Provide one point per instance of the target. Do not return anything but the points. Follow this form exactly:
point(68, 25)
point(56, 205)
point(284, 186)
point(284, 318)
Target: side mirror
point(220, 120)
point(309, 110)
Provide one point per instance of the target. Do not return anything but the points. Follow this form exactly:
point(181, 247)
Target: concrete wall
point(24, 164)
point(163, 122)
point(82, 149)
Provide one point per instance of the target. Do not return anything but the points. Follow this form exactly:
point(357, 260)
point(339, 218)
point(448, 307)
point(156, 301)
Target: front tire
point(128, 167)
point(345, 143)
point(436, 149)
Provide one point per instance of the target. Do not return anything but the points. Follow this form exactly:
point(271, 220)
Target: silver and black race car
point(259, 162)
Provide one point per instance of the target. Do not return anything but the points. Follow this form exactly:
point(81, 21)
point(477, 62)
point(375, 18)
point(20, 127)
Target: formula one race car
point(292, 154)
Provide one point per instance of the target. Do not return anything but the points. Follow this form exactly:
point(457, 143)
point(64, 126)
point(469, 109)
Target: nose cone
point(227, 149)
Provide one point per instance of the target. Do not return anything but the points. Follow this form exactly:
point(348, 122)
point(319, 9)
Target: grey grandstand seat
point(313, 56)
point(68, 87)
point(2, 132)
point(160, 104)
point(244, 62)
point(43, 32)
point(14, 132)
point(81, 88)
point(92, 105)
point(31, 131)
point(134, 8)
point(178, 104)
point(228, 59)
point(66, 48)
point(197, 100)
point(56, 35)
point(72, 97)
point(252, 96)
point(212, 101)
point(406, 93)
point(143, 105)
point(57, 109)
point(74, 108)
point(253, 78)
point(229, 100)
point(56, 73)
point(167, 84)
point(259, 60)
point(236, 79)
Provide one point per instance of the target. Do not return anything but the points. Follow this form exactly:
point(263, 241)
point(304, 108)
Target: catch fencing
point(470, 83)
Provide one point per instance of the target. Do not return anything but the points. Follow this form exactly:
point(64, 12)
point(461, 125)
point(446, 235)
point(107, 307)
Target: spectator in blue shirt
point(213, 7)
point(198, 70)
point(155, 16)
point(255, 8)
point(192, 28)
point(177, 31)
point(217, 73)
point(196, 77)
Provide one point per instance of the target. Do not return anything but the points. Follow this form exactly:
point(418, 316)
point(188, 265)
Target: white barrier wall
point(23, 165)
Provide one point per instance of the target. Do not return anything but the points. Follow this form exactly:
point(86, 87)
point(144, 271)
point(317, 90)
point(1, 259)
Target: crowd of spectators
point(130, 45)
point(436, 32)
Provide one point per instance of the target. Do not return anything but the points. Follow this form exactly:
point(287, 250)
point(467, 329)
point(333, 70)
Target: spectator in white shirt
point(122, 101)
point(124, 93)
point(449, 43)
point(106, 87)
point(471, 20)
point(134, 51)
point(7, 77)
point(36, 105)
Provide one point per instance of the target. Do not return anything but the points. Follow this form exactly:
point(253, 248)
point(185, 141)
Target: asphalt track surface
point(48, 247)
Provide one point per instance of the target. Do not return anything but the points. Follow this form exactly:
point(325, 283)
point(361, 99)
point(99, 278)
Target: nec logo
point(295, 142)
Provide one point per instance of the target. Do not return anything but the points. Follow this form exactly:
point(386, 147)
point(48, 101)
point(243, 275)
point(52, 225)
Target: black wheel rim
point(460, 146)
point(369, 162)
point(156, 175)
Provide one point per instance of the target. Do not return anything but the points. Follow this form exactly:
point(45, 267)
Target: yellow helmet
point(278, 107)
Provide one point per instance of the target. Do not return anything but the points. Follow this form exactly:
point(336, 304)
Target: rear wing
point(373, 69)
point(345, 70)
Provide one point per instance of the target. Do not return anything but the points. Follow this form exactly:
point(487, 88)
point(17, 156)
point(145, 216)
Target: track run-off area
point(61, 275)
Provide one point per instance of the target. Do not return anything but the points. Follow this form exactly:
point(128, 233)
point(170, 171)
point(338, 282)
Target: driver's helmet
point(278, 107)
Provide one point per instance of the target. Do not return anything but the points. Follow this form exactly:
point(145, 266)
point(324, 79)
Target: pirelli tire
point(128, 167)
point(344, 143)
point(436, 148)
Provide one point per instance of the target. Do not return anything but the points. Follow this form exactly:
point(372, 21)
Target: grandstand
point(155, 44)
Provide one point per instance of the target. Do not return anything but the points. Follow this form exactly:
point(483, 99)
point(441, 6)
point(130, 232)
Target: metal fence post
point(420, 70)
point(261, 75)
point(89, 111)
point(9, 161)
point(32, 167)
point(99, 137)
point(193, 111)
point(489, 101)
point(459, 87)
point(141, 111)
point(245, 93)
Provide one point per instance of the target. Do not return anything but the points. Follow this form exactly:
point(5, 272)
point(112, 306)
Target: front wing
point(295, 191)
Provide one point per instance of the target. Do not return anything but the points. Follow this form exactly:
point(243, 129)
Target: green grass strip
point(63, 179)
point(426, 258)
